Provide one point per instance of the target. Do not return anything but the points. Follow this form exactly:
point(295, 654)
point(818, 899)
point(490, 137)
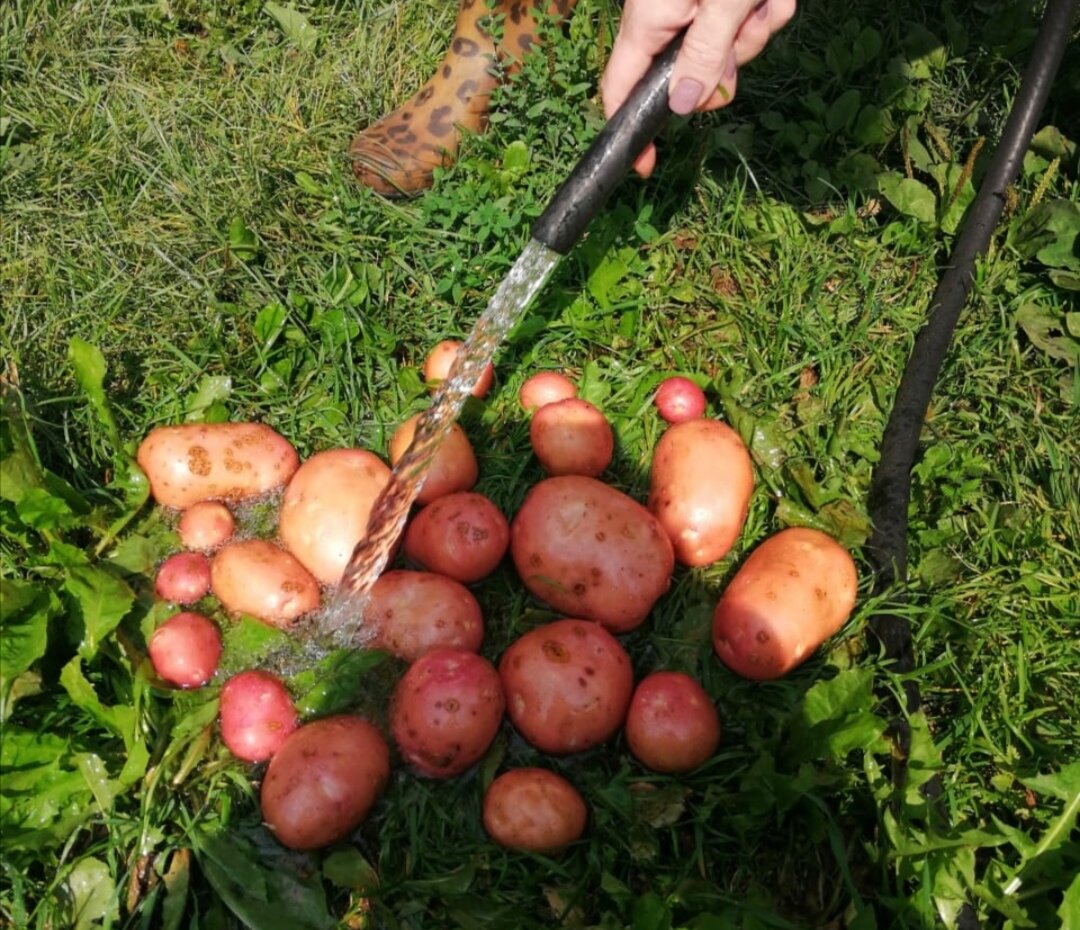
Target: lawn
point(182, 240)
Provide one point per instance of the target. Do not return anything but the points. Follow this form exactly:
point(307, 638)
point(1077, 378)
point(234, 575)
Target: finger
point(703, 59)
point(646, 161)
point(766, 19)
point(637, 43)
point(725, 92)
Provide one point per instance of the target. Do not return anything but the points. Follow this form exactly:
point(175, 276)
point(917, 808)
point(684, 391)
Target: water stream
point(342, 621)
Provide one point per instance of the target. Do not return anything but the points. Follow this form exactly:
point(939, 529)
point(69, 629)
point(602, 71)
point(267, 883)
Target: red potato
point(256, 714)
point(463, 536)
point(256, 577)
point(590, 551)
point(446, 711)
point(794, 591)
point(205, 461)
point(441, 359)
point(324, 781)
point(567, 685)
point(534, 810)
point(205, 526)
point(412, 613)
point(572, 437)
point(545, 387)
point(672, 724)
point(700, 488)
point(679, 399)
point(183, 578)
point(453, 468)
point(326, 506)
point(185, 650)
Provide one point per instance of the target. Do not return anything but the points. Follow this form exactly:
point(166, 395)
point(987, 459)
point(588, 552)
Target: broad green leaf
point(516, 158)
point(347, 868)
point(87, 894)
point(19, 473)
point(212, 390)
point(1067, 281)
point(650, 912)
point(910, 197)
point(102, 600)
point(335, 682)
point(925, 51)
point(1050, 233)
point(120, 719)
point(242, 241)
point(294, 24)
point(24, 619)
point(88, 365)
point(611, 270)
point(872, 125)
point(843, 111)
point(42, 511)
point(269, 322)
point(923, 763)
point(177, 879)
point(837, 717)
point(1052, 142)
point(1069, 912)
point(1047, 331)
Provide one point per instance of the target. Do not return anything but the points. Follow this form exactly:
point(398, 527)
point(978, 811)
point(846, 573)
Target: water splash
point(342, 620)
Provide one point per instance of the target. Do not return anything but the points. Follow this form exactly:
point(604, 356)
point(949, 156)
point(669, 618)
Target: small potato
point(794, 591)
point(534, 810)
point(183, 578)
point(205, 526)
point(545, 387)
point(256, 577)
point(452, 469)
point(463, 536)
point(700, 489)
point(214, 461)
point(672, 724)
point(679, 399)
point(413, 613)
point(591, 551)
point(326, 506)
point(446, 711)
point(324, 781)
point(256, 714)
point(567, 685)
point(440, 360)
point(185, 650)
point(572, 437)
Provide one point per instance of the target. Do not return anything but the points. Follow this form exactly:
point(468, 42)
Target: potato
point(205, 526)
point(794, 591)
point(567, 685)
point(534, 810)
point(256, 577)
point(441, 359)
point(545, 387)
point(463, 536)
point(446, 711)
point(324, 781)
point(672, 724)
point(205, 461)
point(326, 506)
point(452, 469)
point(572, 437)
point(185, 650)
point(256, 714)
point(679, 399)
point(183, 578)
point(590, 551)
point(700, 489)
point(412, 613)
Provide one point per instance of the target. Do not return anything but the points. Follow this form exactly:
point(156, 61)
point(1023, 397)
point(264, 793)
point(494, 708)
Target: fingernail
point(729, 71)
point(685, 97)
point(762, 9)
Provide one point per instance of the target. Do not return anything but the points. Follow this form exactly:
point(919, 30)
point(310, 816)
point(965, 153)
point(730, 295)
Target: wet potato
point(256, 577)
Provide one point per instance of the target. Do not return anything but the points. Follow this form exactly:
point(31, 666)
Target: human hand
point(722, 35)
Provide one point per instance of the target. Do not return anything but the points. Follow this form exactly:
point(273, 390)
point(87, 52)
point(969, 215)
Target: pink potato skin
point(572, 437)
point(591, 551)
point(412, 613)
point(256, 715)
point(214, 461)
point(567, 685)
point(672, 725)
point(463, 536)
point(183, 578)
point(256, 577)
point(545, 387)
point(446, 711)
point(324, 781)
point(534, 810)
point(453, 469)
point(700, 488)
point(795, 590)
point(678, 399)
point(206, 525)
point(440, 360)
point(185, 650)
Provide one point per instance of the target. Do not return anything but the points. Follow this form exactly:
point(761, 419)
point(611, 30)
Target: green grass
point(175, 193)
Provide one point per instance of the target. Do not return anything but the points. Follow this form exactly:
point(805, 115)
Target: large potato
point(204, 461)
point(590, 551)
point(452, 469)
point(463, 536)
point(324, 781)
point(255, 577)
point(326, 506)
point(534, 810)
point(572, 437)
point(794, 591)
point(700, 489)
point(411, 613)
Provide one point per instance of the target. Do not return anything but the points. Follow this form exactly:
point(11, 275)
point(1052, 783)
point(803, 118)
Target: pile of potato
point(599, 558)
